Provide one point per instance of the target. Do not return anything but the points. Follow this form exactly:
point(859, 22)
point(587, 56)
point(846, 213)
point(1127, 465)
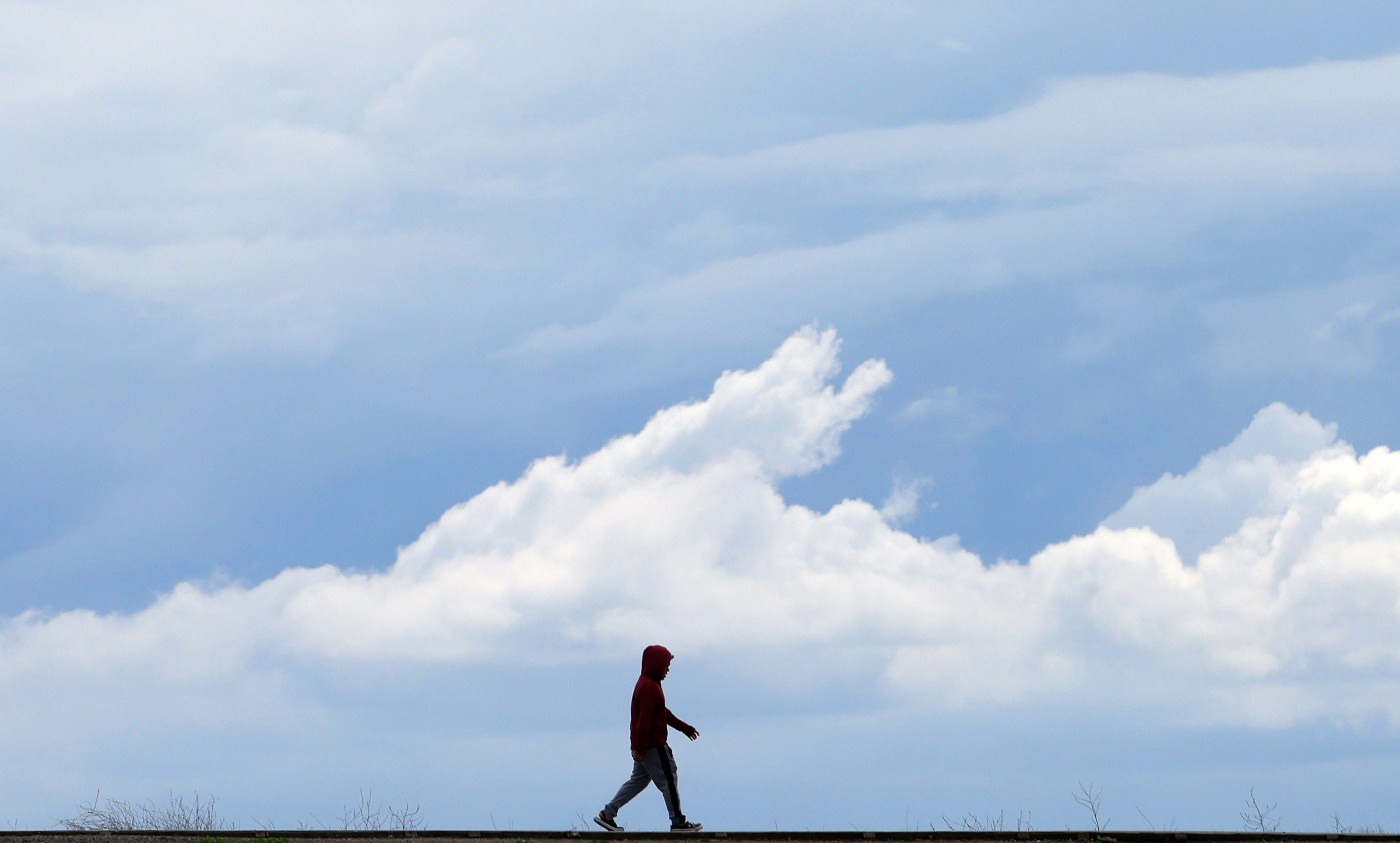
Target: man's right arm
point(683, 727)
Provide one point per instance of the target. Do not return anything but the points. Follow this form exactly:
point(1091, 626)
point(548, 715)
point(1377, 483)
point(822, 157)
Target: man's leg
point(661, 767)
point(630, 788)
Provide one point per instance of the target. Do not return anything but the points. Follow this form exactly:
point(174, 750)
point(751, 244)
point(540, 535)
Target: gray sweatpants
point(658, 766)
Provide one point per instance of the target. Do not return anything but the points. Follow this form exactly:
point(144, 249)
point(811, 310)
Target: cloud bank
point(1152, 163)
point(438, 155)
point(1289, 612)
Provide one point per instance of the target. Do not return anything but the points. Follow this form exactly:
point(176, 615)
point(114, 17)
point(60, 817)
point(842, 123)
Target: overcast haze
point(978, 398)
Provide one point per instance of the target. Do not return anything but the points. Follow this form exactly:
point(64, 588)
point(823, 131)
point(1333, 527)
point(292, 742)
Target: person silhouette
point(652, 759)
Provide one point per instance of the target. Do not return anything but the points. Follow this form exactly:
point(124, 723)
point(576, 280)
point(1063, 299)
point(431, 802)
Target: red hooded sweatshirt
point(650, 717)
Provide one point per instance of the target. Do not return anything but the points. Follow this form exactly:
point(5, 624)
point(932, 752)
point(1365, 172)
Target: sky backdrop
point(982, 400)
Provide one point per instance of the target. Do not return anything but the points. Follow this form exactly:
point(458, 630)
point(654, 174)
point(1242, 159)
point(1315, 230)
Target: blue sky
point(979, 398)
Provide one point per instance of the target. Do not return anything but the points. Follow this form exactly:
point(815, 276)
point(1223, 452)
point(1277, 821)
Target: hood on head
point(655, 660)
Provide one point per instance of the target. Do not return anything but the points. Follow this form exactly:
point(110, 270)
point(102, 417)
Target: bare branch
point(118, 815)
point(1089, 798)
point(972, 822)
point(1258, 817)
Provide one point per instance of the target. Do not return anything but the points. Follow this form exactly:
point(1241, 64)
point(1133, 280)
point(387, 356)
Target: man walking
point(652, 760)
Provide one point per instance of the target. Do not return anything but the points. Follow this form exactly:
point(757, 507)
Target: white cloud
point(257, 172)
point(1146, 162)
point(903, 501)
point(1286, 131)
point(1251, 477)
point(678, 533)
point(220, 163)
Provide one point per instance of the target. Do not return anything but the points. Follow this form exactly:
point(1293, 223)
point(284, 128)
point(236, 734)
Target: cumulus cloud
point(1289, 612)
point(1250, 477)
